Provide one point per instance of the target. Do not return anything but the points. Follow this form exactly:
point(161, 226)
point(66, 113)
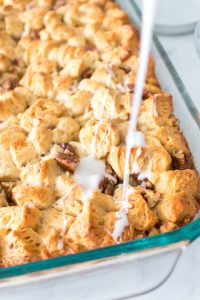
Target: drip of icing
point(136, 139)
point(112, 111)
point(89, 174)
point(135, 167)
point(65, 220)
point(111, 177)
point(110, 75)
point(91, 171)
point(147, 29)
point(120, 224)
point(155, 112)
point(147, 173)
point(94, 140)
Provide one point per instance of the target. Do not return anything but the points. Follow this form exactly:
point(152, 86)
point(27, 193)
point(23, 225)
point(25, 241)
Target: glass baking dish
point(127, 269)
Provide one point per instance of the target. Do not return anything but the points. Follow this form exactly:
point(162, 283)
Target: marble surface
point(184, 282)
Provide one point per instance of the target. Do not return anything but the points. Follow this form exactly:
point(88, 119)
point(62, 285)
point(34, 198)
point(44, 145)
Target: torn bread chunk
point(178, 208)
point(23, 153)
point(20, 246)
point(43, 173)
point(33, 196)
point(17, 217)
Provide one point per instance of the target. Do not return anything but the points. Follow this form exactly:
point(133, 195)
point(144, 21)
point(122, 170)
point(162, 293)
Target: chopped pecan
point(67, 162)
point(107, 186)
point(182, 162)
point(125, 69)
point(145, 183)
point(110, 171)
point(68, 149)
point(133, 181)
point(34, 35)
point(17, 62)
point(9, 84)
point(146, 92)
point(58, 4)
point(87, 73)
point(130, 86)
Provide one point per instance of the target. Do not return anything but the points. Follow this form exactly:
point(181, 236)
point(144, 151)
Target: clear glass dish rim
point(187, 233)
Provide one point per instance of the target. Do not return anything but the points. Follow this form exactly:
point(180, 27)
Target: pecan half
point(109, 170)
point(9, 84)
point(133, 181)
point(68, 149)
point(34, 35)
point(67, 162)
point(183, 162)
point(107, 186)
point(87, 73)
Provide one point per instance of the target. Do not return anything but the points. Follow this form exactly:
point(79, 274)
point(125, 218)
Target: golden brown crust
point(67, 78)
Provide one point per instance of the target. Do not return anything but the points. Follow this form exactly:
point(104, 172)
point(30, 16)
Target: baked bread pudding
point(67, 78)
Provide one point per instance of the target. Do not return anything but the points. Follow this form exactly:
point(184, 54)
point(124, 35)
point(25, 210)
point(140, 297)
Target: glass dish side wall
point(156, 248)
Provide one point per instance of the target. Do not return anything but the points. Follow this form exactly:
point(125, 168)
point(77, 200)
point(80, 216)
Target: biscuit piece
point(53, 228)
point(109, 75)
point(17, 217)
point(44, 113)
point(20, 246)
point(8, 170)
point(77, 103)
point(88, 228)
point(11, 104)
point(13, 25)
point(179, 208)
point(106, 104)
point(139, 214)
point(41, 138)
point(33, 196)
point(43, 173)
point(74, 68)
point(40, 84)
point(67, 187)
point(67, 129)
point(176, 145)
point(179, 181)
point(116, 159)
point(23, 153)
point(3, 198)
point(10, 133)
point(155, 111)
point(100, 138)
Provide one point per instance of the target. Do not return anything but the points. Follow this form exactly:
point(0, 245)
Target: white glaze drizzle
point(89, 174)
point(135, 167)
point(147, 29)
point(155, 112)
point(65, 220)
point(110, 75)
point(90, 171)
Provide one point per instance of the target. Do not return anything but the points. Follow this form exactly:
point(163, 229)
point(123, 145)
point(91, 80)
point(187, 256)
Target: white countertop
point(184, 282)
